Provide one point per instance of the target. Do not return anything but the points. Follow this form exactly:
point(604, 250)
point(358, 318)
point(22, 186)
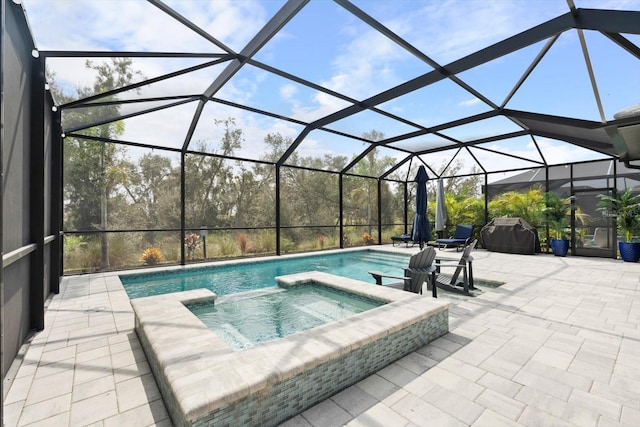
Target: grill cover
point(510, 235)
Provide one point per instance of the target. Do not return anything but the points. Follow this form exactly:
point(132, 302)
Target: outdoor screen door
point(594, 233)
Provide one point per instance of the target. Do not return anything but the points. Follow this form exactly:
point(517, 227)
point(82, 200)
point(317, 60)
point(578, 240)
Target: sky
point(330, 47)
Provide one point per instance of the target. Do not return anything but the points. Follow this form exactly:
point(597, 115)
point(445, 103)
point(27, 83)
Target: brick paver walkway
point(557, 345)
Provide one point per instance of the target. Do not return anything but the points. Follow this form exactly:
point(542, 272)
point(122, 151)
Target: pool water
point(245, 322)
point(258, 274)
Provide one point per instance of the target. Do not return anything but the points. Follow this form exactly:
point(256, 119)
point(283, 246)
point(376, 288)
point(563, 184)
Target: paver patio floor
point(557, 345)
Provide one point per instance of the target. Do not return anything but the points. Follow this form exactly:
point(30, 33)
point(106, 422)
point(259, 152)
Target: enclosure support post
point(546, 189)
point(406, 208)
point(486, 198)
point(572, 217)
point(61, 195)
point(2, 179)
point(204, 247)
point(379, 211)
point(341, 208)
point(277, 209)
point(182, 207)
point(56, 203)
point(614, 250)
point(36, 202)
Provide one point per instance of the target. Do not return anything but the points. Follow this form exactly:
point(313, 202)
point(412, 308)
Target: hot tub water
point(258, 318)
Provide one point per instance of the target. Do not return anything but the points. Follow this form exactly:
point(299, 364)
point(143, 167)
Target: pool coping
point(189, 357)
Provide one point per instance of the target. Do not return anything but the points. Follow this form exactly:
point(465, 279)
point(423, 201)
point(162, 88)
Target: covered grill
point(510, 235)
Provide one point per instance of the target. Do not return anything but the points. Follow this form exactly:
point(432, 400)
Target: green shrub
point(265, 242)
point(287, 245)
point(123, 250)
point(170, 247)
point(524, 204)
point(226, 246)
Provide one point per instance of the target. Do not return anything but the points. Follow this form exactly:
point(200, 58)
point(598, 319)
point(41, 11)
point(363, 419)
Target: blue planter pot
point(560, 247)
point(629, 251)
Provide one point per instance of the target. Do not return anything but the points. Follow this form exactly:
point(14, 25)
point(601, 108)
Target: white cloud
point(364, 65)
point(469, 102)
point(287, 92)
point(319, 105)
point(166, 128)
point(138, 25)
point(232, 22)
point(362, 69)
point(559, 152)
point(446, 31)
point(71, 73)
point(312, 148)
point(364, 62)
point(609, 4)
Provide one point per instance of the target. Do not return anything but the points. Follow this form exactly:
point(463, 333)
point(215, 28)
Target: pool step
point(386, 260)
point(241, 341)
point(249, 294)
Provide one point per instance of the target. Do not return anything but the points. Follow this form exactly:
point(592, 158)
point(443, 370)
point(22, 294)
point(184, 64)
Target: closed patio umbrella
point(441, 209)
point(421, 225)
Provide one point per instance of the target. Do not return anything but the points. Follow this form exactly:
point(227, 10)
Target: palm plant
point(524, 204)
point(626, 209)
point(468, 210)
point(556, 214)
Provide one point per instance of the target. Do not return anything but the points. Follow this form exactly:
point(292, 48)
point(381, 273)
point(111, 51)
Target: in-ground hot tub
point(251, 318)
point(204, 382)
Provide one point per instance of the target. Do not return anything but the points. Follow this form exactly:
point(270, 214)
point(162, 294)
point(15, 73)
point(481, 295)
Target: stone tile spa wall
point(206, 383)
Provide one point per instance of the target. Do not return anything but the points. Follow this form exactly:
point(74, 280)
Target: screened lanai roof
point(493, 85)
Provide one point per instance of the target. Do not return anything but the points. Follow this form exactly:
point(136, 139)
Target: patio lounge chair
point(460, 238)
point(403, 238)
point(419, 269)
point(452, 282)
point(602, 238)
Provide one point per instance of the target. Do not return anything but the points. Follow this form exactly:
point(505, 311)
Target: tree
point(363, 194)
point(254, 186)
point(91, 168)
point(461, 186)
point(307, 197)
point(209, 193)
point(153, 188)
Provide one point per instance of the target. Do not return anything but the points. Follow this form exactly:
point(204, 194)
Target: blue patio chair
point(460, 238)
point(403, 238)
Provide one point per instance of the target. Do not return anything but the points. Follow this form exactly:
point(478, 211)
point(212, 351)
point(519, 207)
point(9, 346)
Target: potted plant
point(556, 215)
point(626, 209)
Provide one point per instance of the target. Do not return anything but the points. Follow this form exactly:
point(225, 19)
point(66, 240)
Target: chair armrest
point(429, 269)
point(378, 275)
point(456, 265)
point(437, 261)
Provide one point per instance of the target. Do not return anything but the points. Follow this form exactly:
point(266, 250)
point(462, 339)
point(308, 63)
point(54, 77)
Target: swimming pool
point(257, 274)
